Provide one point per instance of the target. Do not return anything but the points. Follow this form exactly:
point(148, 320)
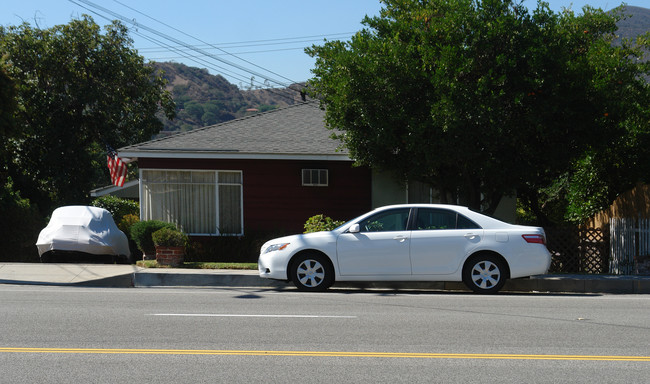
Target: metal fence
point(629, 246)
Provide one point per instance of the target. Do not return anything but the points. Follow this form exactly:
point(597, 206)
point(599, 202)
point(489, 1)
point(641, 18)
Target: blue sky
point(262, 38)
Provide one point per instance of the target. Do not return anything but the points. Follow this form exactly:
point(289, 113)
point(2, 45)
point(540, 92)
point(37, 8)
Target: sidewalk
point(108, 275)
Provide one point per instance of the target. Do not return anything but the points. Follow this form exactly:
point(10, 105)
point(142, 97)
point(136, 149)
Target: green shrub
point(169, 237)
point(320, 223)
point(141, 234)
point(20, 224)
point(117, 207)
point(127, 222)
point(125, 226)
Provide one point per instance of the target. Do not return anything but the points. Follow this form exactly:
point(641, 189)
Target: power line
point(258, 43)
point(199, 60)
point(212, 46)
point(238, 53)
point(140, 26)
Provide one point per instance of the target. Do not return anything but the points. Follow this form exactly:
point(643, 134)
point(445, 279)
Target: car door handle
point(471, 236)
point(401, 239)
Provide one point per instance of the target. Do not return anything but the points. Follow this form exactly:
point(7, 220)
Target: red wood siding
point(274, 198)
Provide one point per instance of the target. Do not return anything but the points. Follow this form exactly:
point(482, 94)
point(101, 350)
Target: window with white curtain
point(199, 202)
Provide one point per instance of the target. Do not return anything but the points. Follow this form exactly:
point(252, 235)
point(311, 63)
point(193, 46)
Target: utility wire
point(239, 53)
point(283, 93)
point(197, 59)
point(259, 43)
point(212, 46)
point(178, 42)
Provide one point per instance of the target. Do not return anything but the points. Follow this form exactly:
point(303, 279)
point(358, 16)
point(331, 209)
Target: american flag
point(116, 166)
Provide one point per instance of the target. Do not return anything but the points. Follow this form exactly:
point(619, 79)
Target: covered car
point(82, 230)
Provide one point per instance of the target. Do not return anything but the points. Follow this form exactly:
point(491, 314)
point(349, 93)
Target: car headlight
point(276, 247)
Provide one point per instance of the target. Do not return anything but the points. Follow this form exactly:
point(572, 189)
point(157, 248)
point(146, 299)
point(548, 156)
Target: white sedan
point(412, 242)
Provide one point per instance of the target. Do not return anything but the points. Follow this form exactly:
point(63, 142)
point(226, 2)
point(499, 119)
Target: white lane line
point(236, 315)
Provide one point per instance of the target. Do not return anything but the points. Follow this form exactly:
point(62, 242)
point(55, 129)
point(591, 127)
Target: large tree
point(7, 127)
point(480, 99)
point(77, 88)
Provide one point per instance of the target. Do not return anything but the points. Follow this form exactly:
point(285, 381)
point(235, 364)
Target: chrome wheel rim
point(310, 273)
point(486, 274)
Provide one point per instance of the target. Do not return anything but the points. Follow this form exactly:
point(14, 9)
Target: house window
point(315, 177)
point(199, 202)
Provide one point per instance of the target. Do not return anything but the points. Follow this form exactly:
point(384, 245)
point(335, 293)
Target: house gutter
point(228, 154)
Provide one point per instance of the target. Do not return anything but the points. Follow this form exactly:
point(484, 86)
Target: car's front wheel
point(311, 272)
point(484, 274)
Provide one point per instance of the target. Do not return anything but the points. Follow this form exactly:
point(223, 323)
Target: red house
point(266, 172)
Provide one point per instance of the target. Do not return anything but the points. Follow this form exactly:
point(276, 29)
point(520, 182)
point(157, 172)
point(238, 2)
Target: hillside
point(637, 24)
point(204, 99)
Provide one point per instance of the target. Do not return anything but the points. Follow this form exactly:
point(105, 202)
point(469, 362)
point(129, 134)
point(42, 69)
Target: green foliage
point(194, 109)
point(20, 223)
point(266, 108)
point(125, 225)
point(8, 107)
point(320, 223)
point(127, 222)
point(117, 207)
point(482, 99)
point(170, 237)
point(76, 88)
point(141, 234)
point(588, 192)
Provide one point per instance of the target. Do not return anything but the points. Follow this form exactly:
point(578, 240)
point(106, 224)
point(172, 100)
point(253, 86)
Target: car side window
point(436, 219)
point(393, 220)
point(430, 219)
point(465, 223)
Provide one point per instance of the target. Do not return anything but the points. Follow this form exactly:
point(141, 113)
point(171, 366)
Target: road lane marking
point(240, 315)
point(416, 355)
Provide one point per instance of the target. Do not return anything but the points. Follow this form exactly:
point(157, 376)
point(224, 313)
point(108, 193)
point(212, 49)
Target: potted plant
point(141, 234)
point(170, 246)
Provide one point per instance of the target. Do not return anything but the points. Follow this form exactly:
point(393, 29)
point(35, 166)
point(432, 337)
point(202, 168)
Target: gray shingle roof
point(296, 131)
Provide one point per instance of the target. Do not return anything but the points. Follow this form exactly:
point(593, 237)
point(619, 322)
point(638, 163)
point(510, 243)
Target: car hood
point(303, 239)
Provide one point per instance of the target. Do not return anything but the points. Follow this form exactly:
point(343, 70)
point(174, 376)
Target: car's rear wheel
point(484, 274)
point(311, 272)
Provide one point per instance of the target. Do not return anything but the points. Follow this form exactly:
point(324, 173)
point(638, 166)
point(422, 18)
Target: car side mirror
point(354, 228)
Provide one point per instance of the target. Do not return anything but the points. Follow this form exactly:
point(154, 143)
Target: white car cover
point(83, 229)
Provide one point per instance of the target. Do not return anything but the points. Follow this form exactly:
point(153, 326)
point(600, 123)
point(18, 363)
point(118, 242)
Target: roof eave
point(231, 155)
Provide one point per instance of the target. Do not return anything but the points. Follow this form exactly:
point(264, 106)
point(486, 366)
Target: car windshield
point(348, 222)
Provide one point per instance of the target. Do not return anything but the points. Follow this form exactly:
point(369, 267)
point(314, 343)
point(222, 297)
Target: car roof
point(425, 205)
point(80, 215)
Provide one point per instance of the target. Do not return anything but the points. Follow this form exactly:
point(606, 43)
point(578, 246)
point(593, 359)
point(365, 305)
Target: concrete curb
point(546, 283)
point(123, 276)
point(181, 278)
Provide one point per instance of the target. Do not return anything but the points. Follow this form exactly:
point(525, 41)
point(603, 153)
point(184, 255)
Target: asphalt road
point(208, 335)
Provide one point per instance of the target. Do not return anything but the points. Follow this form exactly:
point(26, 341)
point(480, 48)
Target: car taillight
point(536, 238)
